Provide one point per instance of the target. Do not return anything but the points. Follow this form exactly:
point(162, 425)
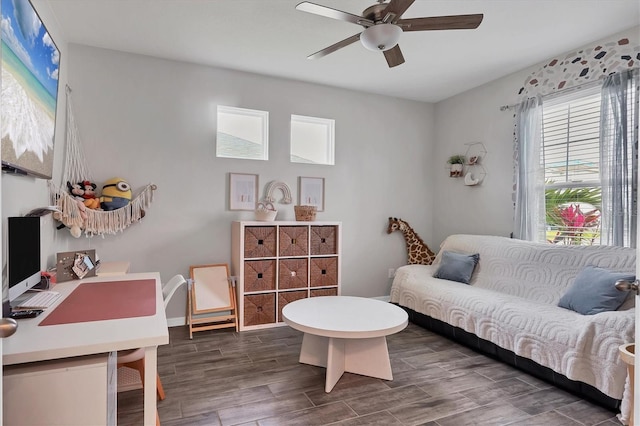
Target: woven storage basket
point(259, 241)
point(324, 292)
point(259, 309)
point(305, 213)
point(294, 240)
point(293, 273)
point(259, 275)
point(324, 271)
point(266, 212)
point(323, 240)
point(288, 297)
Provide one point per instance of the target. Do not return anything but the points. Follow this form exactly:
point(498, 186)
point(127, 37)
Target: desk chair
point(135, 358)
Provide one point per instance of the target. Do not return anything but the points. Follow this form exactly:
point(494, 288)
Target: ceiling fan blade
point(394, 11)
point(339, 45)
point(394, 56)
point(455, 22)
point(328, 12)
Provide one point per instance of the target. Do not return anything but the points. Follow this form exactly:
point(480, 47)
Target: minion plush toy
point(116, 193)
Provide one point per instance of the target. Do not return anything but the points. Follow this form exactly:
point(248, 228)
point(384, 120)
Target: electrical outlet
point(392, 272)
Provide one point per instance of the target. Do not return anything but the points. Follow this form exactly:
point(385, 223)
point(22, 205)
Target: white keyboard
point(40, 300)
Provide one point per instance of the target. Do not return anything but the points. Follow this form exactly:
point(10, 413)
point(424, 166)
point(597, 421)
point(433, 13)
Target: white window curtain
point(619, 158)
point(529, 223)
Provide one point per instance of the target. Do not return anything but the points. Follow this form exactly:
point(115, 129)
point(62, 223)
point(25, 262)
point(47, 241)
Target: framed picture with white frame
point(311, 192)
point(243, 191)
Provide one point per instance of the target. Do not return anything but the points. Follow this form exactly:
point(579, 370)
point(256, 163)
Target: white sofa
point(511, 302)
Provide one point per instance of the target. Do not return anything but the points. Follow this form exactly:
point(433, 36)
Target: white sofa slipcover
point(512, 300)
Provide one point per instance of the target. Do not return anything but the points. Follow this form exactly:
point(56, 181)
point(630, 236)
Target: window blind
point(571, 128)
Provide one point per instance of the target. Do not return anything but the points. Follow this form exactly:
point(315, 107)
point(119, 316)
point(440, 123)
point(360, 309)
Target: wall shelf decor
point(456, 165)
point(474, 171)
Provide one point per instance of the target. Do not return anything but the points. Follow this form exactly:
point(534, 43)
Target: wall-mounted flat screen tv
point(30, 63)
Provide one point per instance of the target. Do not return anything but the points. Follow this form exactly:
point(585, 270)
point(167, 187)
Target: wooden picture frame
point(311, 192)
point(211, 292)
point(243, 191)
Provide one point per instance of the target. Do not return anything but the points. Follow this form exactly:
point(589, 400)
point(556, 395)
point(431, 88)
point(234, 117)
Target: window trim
point(329, 124)
point(254, 113)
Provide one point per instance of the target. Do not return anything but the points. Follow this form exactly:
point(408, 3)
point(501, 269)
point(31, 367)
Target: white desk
point(32, 343)
point(344, 333)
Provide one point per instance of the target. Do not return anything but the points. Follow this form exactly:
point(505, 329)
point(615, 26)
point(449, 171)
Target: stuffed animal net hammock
point(72, 212)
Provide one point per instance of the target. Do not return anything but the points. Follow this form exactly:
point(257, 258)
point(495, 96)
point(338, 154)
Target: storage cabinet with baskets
point(279, 262)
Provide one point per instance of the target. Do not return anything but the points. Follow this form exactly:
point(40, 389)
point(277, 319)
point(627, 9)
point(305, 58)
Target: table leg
point(368, 357)
point(150, 393)
point(314, 350)
point(335, 362)
point(324, 352)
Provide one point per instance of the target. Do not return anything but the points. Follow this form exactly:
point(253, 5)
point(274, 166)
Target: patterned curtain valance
point(582, 66)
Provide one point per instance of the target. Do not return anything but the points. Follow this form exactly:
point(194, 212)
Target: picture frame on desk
point(65, 264)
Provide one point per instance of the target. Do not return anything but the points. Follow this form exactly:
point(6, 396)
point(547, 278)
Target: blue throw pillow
point(456, 266)
point(594, 291)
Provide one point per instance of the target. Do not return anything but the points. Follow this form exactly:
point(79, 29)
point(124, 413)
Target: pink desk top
point(107, 300)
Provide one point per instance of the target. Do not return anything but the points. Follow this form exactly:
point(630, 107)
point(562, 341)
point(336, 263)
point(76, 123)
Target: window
point(571, 164)
point(312, 140)
point(589, 156)
point(242, 133)
point(576, 168)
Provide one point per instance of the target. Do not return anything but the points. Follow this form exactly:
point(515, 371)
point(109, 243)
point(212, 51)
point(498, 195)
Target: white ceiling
point(271, 37)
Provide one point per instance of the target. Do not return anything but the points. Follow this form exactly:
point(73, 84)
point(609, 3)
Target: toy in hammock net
point(73, 212)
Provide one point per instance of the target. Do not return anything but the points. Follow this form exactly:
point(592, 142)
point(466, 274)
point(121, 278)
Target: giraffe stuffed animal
point(418, 253)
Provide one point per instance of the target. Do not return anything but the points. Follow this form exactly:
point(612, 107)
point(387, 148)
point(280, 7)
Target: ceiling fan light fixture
point(381, 37)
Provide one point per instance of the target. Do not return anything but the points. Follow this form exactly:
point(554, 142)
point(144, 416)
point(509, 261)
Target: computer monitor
point(23, 252)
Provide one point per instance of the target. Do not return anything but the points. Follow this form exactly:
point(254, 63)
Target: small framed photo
point(311, 192)
point(243, 191)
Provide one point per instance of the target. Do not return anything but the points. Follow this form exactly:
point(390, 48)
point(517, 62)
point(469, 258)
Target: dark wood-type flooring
point(254, 378)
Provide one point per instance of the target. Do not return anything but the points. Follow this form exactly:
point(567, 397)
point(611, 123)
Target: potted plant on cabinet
point(456, 162)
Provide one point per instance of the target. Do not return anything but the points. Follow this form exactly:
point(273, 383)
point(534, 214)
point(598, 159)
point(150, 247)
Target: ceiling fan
point(383, 26)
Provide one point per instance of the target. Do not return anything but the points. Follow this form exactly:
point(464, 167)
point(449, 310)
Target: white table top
point(33, 343)
point(345, 317)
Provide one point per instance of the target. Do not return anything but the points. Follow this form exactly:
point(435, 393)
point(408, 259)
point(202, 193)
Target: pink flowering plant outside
point(573, 215)
point(576, 227)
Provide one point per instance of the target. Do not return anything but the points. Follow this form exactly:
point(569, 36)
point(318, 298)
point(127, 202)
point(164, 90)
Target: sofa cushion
point(457, 267)
point(593, 291)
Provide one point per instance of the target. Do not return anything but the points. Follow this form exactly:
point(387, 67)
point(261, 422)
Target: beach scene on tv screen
point(30, 62)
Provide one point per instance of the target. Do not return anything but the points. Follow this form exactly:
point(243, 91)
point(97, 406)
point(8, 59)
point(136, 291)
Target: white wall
point(475, 116)
point(152, 120)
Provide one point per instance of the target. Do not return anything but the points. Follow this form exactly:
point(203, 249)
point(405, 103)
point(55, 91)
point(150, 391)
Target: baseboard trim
point(176, 322)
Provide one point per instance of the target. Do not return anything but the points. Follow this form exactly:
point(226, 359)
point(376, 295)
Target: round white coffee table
point(344, 333)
